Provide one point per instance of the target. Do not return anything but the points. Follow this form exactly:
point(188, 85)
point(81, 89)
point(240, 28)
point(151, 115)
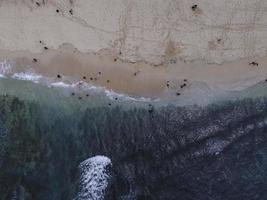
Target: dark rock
point(71, 12)
point(194, 7)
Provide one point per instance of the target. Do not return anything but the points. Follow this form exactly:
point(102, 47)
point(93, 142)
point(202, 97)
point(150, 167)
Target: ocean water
point(55, 145)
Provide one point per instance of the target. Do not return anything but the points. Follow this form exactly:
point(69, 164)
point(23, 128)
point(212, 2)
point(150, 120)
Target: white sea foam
point(5, 67)
point(6, 71)
point(27, 76)
point(112, 95)
point(109, 93)
point(81, 85)
point(94, 178)
point(61, 84)
point(101, 90)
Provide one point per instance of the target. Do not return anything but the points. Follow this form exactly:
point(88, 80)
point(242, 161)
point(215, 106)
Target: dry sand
point(144, 48)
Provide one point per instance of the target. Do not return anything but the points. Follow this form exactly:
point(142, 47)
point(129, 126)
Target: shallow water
point(158, 150)
point(35, 87)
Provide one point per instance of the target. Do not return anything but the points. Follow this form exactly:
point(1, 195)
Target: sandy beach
point(138, 79)
point(133, 99)
point(107, 48)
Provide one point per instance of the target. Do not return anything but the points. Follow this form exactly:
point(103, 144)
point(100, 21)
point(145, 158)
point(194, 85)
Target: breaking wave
point(79, 85)
point(94, 178)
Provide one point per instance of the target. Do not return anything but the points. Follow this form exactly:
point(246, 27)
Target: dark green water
point(158, 152)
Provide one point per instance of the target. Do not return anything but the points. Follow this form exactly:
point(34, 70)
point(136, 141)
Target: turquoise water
point(62, 96)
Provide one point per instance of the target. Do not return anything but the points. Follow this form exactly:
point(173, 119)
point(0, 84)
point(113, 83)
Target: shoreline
point(134, 79)
point(160, 49)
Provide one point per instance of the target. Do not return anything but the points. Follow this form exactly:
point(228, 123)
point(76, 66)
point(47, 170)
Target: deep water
point(216, 152)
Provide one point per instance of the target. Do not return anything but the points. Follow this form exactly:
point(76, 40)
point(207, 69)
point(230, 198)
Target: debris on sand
point(194, 7)
point(254, 63)
point(71, 12)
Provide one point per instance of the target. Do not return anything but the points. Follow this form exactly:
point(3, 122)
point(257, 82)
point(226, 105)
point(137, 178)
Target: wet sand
point(137, 79)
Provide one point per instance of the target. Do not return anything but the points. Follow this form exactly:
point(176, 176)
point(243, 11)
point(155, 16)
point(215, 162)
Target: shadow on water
point(214, 152)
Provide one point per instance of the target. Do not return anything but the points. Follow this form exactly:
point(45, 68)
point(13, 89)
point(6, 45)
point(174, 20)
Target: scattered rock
point(182, 86)
point(254, 63)
point(219, 40)
point(71, 11)
point(194, 7)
